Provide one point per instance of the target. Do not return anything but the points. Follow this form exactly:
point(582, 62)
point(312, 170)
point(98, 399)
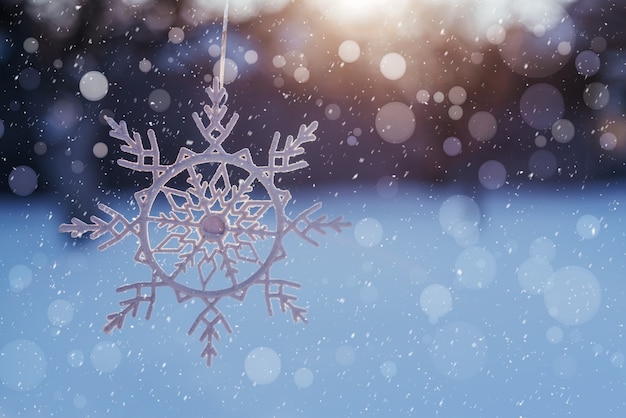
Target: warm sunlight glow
point(407, 18)
point(359, 12)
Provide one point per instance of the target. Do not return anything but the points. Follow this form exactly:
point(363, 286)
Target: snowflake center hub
point(213, 226)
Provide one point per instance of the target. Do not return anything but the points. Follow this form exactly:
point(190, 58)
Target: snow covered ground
point(437, 302)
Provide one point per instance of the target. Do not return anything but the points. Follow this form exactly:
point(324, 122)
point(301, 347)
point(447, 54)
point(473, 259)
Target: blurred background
point(478, 148)
point(426, 92)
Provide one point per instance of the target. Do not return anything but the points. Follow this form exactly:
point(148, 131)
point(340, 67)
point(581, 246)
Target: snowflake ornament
point(211, 224)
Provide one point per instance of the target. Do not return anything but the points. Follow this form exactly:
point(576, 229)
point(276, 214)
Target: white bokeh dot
point(262, 366)
point(388, 369)
point(492, 174)
point(251, 56)
point(482, 126)
point(159, 100)
point(93, 86)
point(20, 277)
point(573, 295)
point(393, 66)
point(105, 357)
point(608, 141)
point(475, 268)
point(349, 51)
point(231, 70)
point(60, 312)
point(368, 232)
point(588, 227)
point(23, 365)
point(436, 301)
point(554, 335)
point(176, 35)
point(452, 146)
point(303, 377)
point(395, 122)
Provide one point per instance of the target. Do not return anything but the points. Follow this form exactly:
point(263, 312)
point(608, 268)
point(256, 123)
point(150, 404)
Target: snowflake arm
point(280, 159)
point(210, 318)
point(98, 227)
point(285, 300)
point(147, 158)
point(302, 225)
point(215, 133)
point(131, 305)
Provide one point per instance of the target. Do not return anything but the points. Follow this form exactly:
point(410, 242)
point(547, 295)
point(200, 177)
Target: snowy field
point(437, 302)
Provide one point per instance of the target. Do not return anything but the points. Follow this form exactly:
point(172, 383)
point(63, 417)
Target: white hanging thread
point(223, 50)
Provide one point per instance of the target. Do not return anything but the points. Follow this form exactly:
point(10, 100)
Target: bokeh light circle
point(541, 105)
point(542, 164)
point(31, 45)
point(543, 247)
point(20, 277)
point(534, 274)
point(393, 66)
point(422, 96)
point(573, 295)
point(349, 51)
point(105, 357)
point(60, 312)
point(176, 35)
point(332, 111)
point(76, 358)
point(23, 365)
point(457, 95)
point(262, 366)
point(159, 100)
point(535, 56)
point(482, 126)
point(145, 65)
point(23, 180)
point(459, 216)
point(596, 96)
point(93, 86)
point(608, 141)
point(475, 268)
point(395, 122)
point(455, 112)
point(100, 149)
point(388, 369)
point(492, 174)
point(436, 301)
point(588, 226)
point(368, 232)
point(452, 146)
point(587, 63)
point(303, 377)
point(387, 187)
point(554, 335)
point(563, 131)
point(231, 70)
point(29, 79)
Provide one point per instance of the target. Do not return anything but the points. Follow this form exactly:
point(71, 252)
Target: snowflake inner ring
point(211, 230)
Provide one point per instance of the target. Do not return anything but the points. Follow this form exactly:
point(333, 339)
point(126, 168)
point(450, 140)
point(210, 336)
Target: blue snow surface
point(435, 303)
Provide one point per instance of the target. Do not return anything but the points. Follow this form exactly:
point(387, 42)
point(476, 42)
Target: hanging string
point(223, 51)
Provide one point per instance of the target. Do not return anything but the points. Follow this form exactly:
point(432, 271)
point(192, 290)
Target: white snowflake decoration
point(205, 246)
